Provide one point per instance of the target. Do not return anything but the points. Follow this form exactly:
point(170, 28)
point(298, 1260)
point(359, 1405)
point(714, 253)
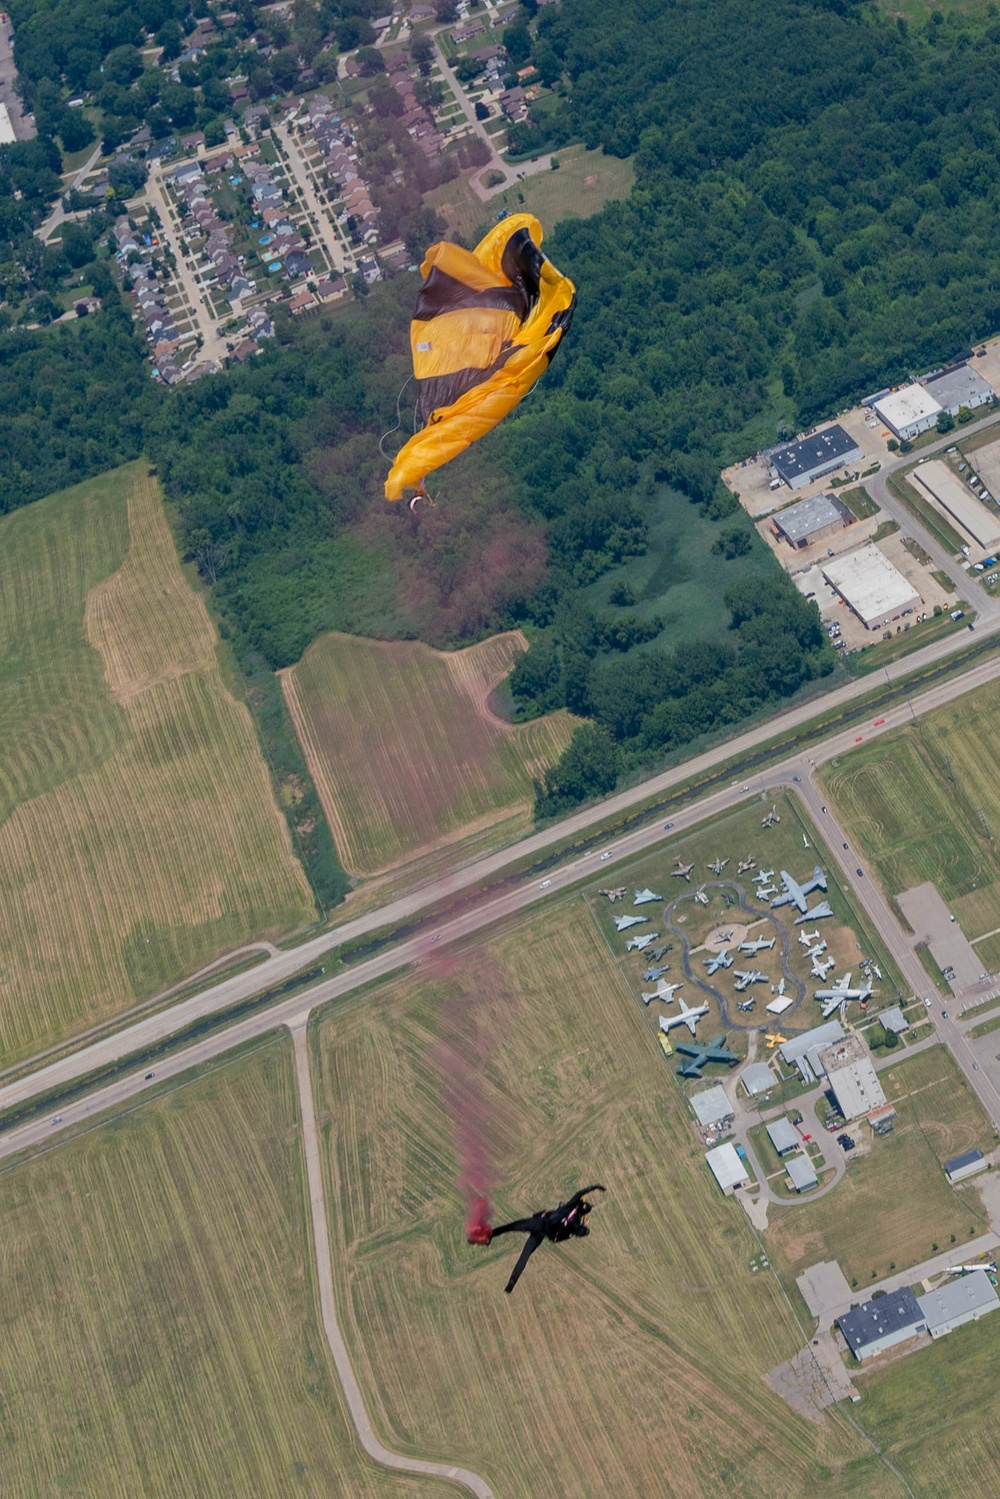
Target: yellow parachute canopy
point(485, 326)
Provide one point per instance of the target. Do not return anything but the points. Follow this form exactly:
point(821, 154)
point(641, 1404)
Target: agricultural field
point(638, 1353)
point(161, 1336)
point(583, 183)
point(404, 750)
point(736, 836)
point(932, 1413)
point(895, 1203)
point(924, 803)
point(139, 837)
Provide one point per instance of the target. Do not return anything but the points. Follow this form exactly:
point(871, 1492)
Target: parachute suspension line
point(399, 421)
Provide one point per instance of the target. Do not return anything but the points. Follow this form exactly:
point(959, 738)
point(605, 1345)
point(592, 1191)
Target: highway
point(483, 910)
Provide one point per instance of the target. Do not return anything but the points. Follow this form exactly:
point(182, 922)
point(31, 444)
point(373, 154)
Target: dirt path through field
point(324, 1268)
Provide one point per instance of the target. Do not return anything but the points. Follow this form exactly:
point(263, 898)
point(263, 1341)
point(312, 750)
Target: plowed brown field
point(402, 746)
point(139, 836)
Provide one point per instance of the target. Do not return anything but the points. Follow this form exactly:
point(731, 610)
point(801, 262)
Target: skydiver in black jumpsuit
point(567, 1221)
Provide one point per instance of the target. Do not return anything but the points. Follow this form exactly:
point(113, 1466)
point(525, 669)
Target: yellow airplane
point(775, 1040)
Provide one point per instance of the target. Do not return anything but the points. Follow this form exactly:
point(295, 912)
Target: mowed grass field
point(924, 803)
point(159, 1330)
point(895, 1203)
point(584, 182)
point(630, 1364)
point(403, 748)
point(139, 836)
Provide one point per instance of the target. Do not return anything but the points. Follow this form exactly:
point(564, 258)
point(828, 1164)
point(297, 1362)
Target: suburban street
point(326, 232)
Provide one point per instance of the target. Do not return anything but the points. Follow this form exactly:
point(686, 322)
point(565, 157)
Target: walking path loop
point(321, 1239)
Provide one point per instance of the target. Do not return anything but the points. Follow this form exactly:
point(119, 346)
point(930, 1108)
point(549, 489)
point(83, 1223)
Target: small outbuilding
point(961, 1166)
point(783, 1136)
point(882, 1120)
point(799, 463)
point(757, 1079)
point(712, 1108)
point(811, 520)
point(881, 1323)
point(801, 1173)
point(958, 1301)
point(894, 1020)
point(727, 1167)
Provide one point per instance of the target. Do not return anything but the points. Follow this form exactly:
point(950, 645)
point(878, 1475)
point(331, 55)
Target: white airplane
point(764, 892)
point(746, 977)
point(622, 923)
point(820, 970)
point(781, 986)
point(721, 959)
point(771, 818)
point(807, 937)
point(762, 876)
point(794, 893)
point(662, 991)
point(878, 971)
point(728, 937)
point(637, 944)
point(759, 944)
point(971, 1269)
point(815, 913)
point(746, 1004)
point(805, 841)
point(689, 1016)
point(700, 896)
point(840, 993)
point(818, 950)
point(643, 897)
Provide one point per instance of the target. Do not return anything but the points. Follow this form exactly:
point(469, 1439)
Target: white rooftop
point(711, 1105)
point(726, 1166)
point(801, 1172)
point(911, 404)
point(779, 1005)
point(980, 525)
point(874, 588)
point(956, 1298)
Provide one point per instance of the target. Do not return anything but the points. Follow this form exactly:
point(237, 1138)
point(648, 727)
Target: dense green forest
point(815, 214)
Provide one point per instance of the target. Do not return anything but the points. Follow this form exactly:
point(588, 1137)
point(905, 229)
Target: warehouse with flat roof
point(961, 1166)
point(958, 1301)
point(712, 1108)
point(871, 587)
point(801, 1173)
point(812, 520)
point(959, 386)
point(727, 1167)
point(851, 1077)
point(757, 1079)
point(881, 1323)
point(799, 463)
point(949, 495)
point(909, 411)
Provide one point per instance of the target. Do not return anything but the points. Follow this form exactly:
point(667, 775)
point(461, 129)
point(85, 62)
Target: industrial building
point(957, 387)
point(851, 1077)
point(871, 587)
point(801, 1173)
point(757, 1079)
point(909, 411)
point(712, 1108)
point(881, 1323)
point(812, 520)
point(961, 1166)
point(894, 1020)
point(958, 1301)
point(950, 496)
point(799, 463)
point(727, 1167)
point(804, 1051)
point(783, 1136)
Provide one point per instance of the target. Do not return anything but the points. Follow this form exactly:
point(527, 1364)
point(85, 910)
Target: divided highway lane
point(474, 918)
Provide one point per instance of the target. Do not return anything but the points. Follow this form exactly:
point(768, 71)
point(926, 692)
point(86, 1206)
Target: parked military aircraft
point(764, 892)
point(820, 970)
point(759, 944)
point(794, 894)
point(762, 876)
point(643, 897)
point(718, 865)
point(744, 978)
point(724, 937)
point(817, 950)
point(658, 952)
point(689, 1015)
point(771, 818)
point(700, 896)
point(746, 1004)
point(700, 1054)
point(744, 865)
point(622, 923)
point(614, 895)
point(805, 842)
point(652, 974)
point(719, 960)
point(816, 913)
point(683, 871)
point(639, 944)
point(806, 937)
point(663, 991)
point(840, 993)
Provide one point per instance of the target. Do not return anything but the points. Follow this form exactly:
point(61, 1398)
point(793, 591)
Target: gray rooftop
point(957, 1298)
point(820, 1035)
point(757, 1078)
point(828, 446)
point(782, 1135)
point(822, 510)
point(957, 1162)
point(874, 1319)
point(894, 1020)
point(961, 386)
point(711, 1105)
point(801, 1172)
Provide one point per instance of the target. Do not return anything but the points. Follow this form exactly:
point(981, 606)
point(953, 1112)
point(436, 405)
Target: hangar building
point(909, 411)
point(959, 505)
point(757, 1079)
point(852, 1078)
point(803, 1051)
point(879, 1324)
point(961, 1166)
point(727, 1167)
point(958, 1301)
point(801, 1173)
point(799, 463)
point(783, 1136)
point(870, 586)
point(959, 386)
point(812, 520)
point(712, 1108)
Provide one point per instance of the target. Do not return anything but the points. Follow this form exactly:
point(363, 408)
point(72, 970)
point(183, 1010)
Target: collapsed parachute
point(485, 326)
